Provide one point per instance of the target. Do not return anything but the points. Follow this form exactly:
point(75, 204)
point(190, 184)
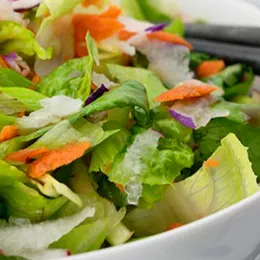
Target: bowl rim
point(202, 223)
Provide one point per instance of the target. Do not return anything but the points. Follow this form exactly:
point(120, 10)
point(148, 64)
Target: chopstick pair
point(233, 44)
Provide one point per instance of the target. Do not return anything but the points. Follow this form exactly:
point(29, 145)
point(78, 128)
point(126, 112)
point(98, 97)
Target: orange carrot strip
point(120, 187)
point(3, 63)
point(210, 67)
point(87, 3)
point(56, 158)
point(8, 132)
point(112, 12)
point(168, 37)
point(100, 28)
point(174, 226)
point(211, 163)
point(186, 91)
point(124, 35)
point(36, 79)
point(93, 86)
point(81, 49)
point(21, 114)
point(25, 155)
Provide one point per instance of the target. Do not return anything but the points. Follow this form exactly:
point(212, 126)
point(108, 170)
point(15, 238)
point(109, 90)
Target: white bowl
point(231, 234)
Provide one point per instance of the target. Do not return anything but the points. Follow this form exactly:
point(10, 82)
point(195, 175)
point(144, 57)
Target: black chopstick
point(232, 34)
point(232, 53)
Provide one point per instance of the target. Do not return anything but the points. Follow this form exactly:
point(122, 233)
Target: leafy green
point(153, 85)
point(144, 10)
point(10, 174)
point(10, 78)
point(196, 58)
point(24, 202)
point(6, 120)
point(106, 219)
point(209, 190)
point(105, 153)
point(152, 159)
point(175, 27)
point(235, 80)
point(73, 78)
point(27, 96)
point(208, 138)
point(130, 94)
point(235, 111)
point(10, 105)
point(109, 190)
point(16, 38)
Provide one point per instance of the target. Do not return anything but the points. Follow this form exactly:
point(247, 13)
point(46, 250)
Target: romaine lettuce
point(217, 185)
point(153, 85)
point(15, 38)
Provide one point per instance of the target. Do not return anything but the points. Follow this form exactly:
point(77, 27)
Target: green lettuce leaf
point(154, 158)
point(130, 94)
point(24, 202)
point(153, 85)
point(105, 153)
point(196, 58)
point(175, 27)
point(235, 80)
point(27, 96)
point(10, 78)
point(236, 112)
point(72, 79)
point(55, 14)
point(6, 120)
point(105, 224)
point(15, 38)
point(210, 190)
point(208, 138)
point(146, 10)
point(21, 201)
point(10, 105)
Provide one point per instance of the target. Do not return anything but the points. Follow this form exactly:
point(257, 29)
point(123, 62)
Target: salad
point(112, 128)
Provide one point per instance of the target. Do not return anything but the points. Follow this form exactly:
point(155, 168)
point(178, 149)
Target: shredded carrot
point(8, 132)
point(211, 163)
point(25, 155)
point(3, 63)
point(174, 226)
point(124, 35)
point(81, 49)
point(100, 28)
point(56, 158)
point(168, 37)
point(112, 12)
point(36, 79)
point(210, 67)
point(93, 86)
point(21, 114)
point(32, 88)
point(120, 187)
point(186, 90)
point(87, 3)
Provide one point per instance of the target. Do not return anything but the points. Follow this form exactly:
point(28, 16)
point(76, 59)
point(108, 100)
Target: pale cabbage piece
point(50, 187)
point(133, 25)
point(226, 179)
point(101, 79)
point(199, 111)
point(34, 238)
point(54, 109)
point(169, 61)
point(132, 166)
point(8, 14)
